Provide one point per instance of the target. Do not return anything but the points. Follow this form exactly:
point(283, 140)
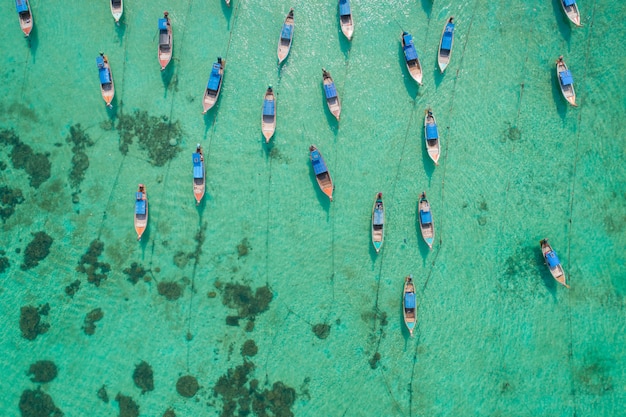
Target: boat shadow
point(227, 10)
point(412, 88)
point(438, 75)
point(33, 41)
point(563, 23)
point(344, 43)
point(145, 237)
point(559, 100)
point(427, 5)
point(167, 74)
point(120, 28)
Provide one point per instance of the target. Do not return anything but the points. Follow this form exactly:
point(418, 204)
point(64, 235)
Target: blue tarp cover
point(426, 217)
point(268, 107)
point(566, 77)
point(21, 6)
point(569, 2)
point(197, 165)
point(105, 76)
point(553, 260)
point(319, 167)
point(287, 32)
point(214, 79)
point(344, 8)
point(408, 39)
point(409, 300)
point(446, 41)
point(100, 62)
point(431, 131)
point(330, 90)
point(379, 217)
point(162, 24)
point(140, 207)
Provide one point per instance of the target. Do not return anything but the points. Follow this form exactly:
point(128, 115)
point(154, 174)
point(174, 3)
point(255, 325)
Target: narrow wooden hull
point(210, 95)
point(324, 180)
point(433, 146)
point(199, 184)
point(426, 229)
point(165, 50)
point(117, 10)
point(108, 90)
point(347, 26)
point(571, 12)
point(268, 122)
point(443, 56)
point(378, 222)
point(557, 271)
point(567, 91)
point(334, 104)
point(409, 308)
point(26, 21)
point(141, 220)
point(414, 66)
point(284, 45)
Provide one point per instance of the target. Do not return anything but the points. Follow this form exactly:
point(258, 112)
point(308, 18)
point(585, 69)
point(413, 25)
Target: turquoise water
point(496, 336)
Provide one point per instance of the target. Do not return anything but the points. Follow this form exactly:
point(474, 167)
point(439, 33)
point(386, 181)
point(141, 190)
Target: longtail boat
point(107, 88)
point(431, 137)
point(165, 40)
point(345, 19)
point(199, 174)
point(566, 81)
point(322, 175)
point(117, 8)
point(268, 118)
point(425, 217)
point(409, 304)
point(445, 45)
point(553, 262)
point(212, 91)
point(378, 222)
point(26, 18)
point(330, 91)
point(141, 211)
point(410, 57)
point(286, 37)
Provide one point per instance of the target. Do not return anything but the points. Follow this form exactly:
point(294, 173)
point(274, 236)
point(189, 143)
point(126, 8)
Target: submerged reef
point(244, 247)
point(144, 377)
point(187, 386)
point(169, 413)
point(374, 361)
point(80, 161)
point(72, 288)
point(128, 407)
point(37, 250)
point(321, 330)
point(249, 348)
point(43, 371)
point(156, 135)
point(36, 403)
point(89, 324)
point(9, 198)
point(135, 273)
point(4, 262)
point(103, 395)
point(30, 321)
point(96, 271)
point(36, 165)
point(170, 290)
point(248, 306)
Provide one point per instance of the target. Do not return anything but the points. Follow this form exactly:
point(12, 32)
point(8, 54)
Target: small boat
point(321, 172)
point(268, 119)
point(334, 105)
point(566, 81)
point(117, 8)
point(165, 41)
point(411, 58)
point(107, 88)
point(409, 305)
point(378, 222)
point(553, 262)
point(345, 18)
point(25, 16)
point(571, 11)
point(286, 36)
point(426, 221)
point(445, 45)
point(141, 211)
point(431, 135)
point(212, 91)
point(199, 174)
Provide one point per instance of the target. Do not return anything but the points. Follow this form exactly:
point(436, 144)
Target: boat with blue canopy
point(199, 174)
point(345, 19)
point(409, 304)
point(553, 262)
point(141, 211)
point(431, 136)
point(165, 40)
point(117, 9)
point(322, 175)
point(445, 45)
point(26, 18)
point(566, 81)
point(425, 218)
point(212, 91)
point(107, 88)
point(286, 37)
point(378, 222)
point(571, 11)
point(268, 117)
point(410, 56)
point(330, 91)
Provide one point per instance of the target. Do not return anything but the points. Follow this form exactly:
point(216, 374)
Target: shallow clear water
point(497, 336)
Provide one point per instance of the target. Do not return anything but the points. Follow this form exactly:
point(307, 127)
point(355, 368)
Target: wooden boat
point(378, 222)
point(332, 99)
point(553, 262)
point(431, 136)
point(117, 8)
point(411, 58)
point(426, 221)
point(141, 211)
point(345, 18)
point(409, 304)
point(25, 16)
point(445, 45)
point(571, 11)
point(165, 41)
point(566, 81)
point(199, 174)
point(268, 118)
point(212, 91)
point(107, 88)
point(321, 172)
point(286, 36)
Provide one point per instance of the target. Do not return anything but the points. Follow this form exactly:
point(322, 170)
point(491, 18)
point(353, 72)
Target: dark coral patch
point(72, 288)
point(36, 403)
point(89, 324)
point(187, 386)
point(243, 248)
point(128, 407)
point(80, 161)
point(102, 394)
point(321, 330)
point(43, 371)
point(374, 360)
point(37, 250)
point(144, 377)
point(170, 290)
point(248, 305)
point(135, 272)
point(30, 322)
point(96, 271)
point(249, 348)
point(4, 264)
point(169, 413)
point(9, 198)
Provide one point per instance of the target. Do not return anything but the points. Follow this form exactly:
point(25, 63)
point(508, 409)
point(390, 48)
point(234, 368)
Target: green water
point(497, 336)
